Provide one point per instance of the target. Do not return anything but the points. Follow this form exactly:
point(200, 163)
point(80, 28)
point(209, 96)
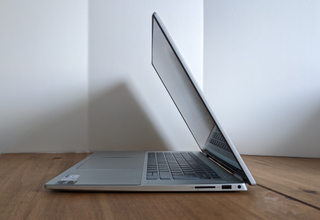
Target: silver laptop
point(217, 166)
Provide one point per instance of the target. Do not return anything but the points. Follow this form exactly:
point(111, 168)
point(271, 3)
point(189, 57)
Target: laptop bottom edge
point(155, 188)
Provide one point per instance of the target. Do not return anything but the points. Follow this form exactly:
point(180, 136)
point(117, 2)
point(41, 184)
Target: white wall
point(129, 107)
point(43, 75)
point(77, 75)
point(262, 74)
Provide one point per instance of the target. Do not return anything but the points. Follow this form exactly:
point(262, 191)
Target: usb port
point(226, 187)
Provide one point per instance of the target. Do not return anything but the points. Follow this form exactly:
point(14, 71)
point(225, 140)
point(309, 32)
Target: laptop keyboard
point(177, 166)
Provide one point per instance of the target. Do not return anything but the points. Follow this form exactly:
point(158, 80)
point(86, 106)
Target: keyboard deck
point(177, 166)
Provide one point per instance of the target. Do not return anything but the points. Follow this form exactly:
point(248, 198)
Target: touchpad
point(112, 163)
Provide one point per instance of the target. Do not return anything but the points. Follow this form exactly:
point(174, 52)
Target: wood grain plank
point(23, 196)
point(295, 177)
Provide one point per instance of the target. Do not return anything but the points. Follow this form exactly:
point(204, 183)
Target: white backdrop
point(129, 107)
point(77, 75)
point(262, 74)
point(43, 75)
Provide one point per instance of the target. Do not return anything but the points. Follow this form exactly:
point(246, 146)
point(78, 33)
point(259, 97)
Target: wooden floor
point(288, 188)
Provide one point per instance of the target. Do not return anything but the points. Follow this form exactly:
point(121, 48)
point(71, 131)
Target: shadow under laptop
point(119, 121)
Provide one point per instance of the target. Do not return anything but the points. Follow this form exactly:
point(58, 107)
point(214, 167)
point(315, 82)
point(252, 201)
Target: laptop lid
point(202, 123)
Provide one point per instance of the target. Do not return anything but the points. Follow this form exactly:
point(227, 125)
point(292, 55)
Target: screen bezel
point(243, 172)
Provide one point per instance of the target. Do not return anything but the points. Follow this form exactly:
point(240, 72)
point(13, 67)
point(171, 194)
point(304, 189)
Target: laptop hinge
point(239, 177)
point(220, 165)
point(217, 162)
point(204, 153)
point(236, 175)
point(228, 167)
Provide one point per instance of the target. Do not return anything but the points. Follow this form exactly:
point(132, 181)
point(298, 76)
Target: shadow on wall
point(117, 121)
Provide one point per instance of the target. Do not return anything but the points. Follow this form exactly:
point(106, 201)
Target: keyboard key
point(185, 177)
point(214, 175)
point(189, 173)
point(152, 176)
point(203, 175)
point(165, 175)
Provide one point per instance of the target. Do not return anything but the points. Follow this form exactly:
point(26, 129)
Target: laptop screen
point(196, 115)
